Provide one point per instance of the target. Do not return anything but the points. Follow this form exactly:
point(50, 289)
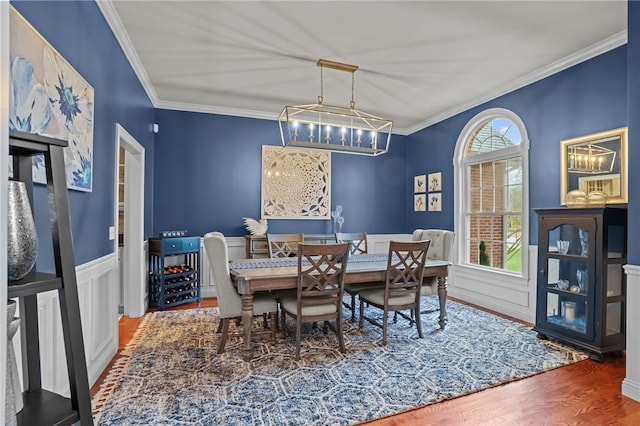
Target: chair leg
point(353, 307)
point(339, 333)
point(395, 317)
point(220, 325)
point(361, 321)
point(283, 322)
point(225, 333)
point(384, 329)
point(264, 321)
point(298, 335)
point(418, 323)
point(274, 322)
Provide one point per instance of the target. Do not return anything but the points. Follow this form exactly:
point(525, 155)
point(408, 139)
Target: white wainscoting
point(503, 293)
point(631, 382)
point(97, 294)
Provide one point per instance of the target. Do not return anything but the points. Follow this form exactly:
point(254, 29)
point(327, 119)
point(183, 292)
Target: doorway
point(129, 215)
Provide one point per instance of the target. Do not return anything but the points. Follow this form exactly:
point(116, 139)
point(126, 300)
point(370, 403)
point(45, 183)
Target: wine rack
point(174, 271)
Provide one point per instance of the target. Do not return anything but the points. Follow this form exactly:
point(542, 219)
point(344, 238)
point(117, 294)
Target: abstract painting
point(420, 183)
point(48, 97)
point(296, 183)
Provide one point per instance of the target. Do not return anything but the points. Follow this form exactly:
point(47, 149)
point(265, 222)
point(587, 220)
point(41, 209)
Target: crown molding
point(117, 28)
point(585, 54)
point(209, 109)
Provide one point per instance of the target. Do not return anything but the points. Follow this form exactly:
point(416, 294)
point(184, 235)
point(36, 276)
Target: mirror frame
point(594, 138)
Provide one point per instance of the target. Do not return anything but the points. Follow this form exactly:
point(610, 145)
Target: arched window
point(491, 171)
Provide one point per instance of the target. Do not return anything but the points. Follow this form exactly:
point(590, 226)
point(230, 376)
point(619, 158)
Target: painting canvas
point(296, 183)
point(420, 183)
point(419, 204)
point(435, 181)
point(435, 202)
point(50, 98)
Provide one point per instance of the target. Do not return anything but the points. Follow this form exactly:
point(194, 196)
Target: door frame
point(132, 258)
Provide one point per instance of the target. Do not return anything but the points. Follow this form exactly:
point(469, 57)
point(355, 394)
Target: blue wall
point(633, 72)
point(207, 167)
point(80, 33)
point(587, 98)
point(208, 176)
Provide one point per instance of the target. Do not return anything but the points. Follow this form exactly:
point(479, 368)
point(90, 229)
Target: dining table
point(253, 275)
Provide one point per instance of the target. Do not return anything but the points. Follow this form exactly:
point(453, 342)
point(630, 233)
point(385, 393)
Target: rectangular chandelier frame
point(335, 128)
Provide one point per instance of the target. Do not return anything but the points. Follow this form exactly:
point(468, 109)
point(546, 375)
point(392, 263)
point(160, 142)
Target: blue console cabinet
point(174, 271)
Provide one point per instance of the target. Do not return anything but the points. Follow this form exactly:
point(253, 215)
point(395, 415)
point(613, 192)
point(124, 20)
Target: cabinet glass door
point(569, 278)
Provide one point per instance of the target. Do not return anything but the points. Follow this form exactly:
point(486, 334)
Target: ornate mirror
point(595, 163)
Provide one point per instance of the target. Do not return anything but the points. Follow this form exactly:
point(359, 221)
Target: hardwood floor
point(584, 393)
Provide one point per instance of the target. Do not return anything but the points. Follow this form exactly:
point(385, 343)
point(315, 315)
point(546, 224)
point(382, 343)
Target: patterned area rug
point(172, 375)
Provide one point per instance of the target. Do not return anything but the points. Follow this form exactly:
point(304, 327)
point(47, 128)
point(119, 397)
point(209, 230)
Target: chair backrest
point(405, 268)
point(321, 269)
point(357, 241)
point(229, 302)
point(284, 245)
point(441, 247)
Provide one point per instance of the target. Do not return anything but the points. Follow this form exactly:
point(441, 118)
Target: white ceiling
point(420, 61)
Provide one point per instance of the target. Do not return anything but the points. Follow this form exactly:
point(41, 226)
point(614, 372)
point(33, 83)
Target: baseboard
point(631, 389)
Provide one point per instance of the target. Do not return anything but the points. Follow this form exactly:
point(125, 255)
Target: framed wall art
point(420, 183)
point(50, 98)
point(435, 182)
point(296, 183)
point(419, 203)
point(435, 202)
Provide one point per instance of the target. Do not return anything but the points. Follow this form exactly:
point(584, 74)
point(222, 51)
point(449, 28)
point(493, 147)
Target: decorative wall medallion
point(296, 183)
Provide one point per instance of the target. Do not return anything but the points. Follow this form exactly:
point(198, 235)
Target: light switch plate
point(112, 233)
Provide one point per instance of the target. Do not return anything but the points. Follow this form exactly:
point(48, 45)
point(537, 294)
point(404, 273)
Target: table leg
point(442, 298)
point(247, 318)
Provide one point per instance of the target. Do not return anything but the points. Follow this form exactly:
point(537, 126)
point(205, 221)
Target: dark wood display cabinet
point(174, 271)
point(581, 297)
point(42, 407)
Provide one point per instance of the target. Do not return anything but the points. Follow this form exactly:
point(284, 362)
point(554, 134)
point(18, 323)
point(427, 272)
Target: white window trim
point(460, 179)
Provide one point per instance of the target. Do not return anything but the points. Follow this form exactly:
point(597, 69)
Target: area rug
point(170, 373)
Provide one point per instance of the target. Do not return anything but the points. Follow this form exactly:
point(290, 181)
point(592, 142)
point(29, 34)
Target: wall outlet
point(112, 233)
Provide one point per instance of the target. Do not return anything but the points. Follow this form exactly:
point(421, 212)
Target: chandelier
point(334, 128)
point(591, 158)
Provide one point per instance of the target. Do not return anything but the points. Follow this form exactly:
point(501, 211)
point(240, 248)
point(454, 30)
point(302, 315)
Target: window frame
point(462, 185)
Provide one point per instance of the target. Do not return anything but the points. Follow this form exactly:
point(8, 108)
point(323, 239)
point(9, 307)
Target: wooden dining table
point(254, 275)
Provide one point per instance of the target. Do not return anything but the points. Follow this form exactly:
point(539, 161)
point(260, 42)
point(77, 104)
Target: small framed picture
point(419, 203)
point(435, 181)
point(420, 183)
point(435, 202)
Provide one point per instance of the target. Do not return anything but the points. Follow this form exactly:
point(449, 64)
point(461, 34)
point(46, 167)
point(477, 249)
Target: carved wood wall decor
point(296, 183)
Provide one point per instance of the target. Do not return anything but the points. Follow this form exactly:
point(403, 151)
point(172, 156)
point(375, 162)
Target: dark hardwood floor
point(584, 393)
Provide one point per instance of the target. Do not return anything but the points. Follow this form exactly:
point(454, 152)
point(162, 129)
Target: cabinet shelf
point(34, 283)
point(42, 407)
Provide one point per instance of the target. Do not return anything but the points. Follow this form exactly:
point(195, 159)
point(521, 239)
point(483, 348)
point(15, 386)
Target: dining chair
point(357, 241)
point(357, 245)
point(229, 301)
point(284, 245)
point(403, 282)
point(441, 248)
point(318, 297)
